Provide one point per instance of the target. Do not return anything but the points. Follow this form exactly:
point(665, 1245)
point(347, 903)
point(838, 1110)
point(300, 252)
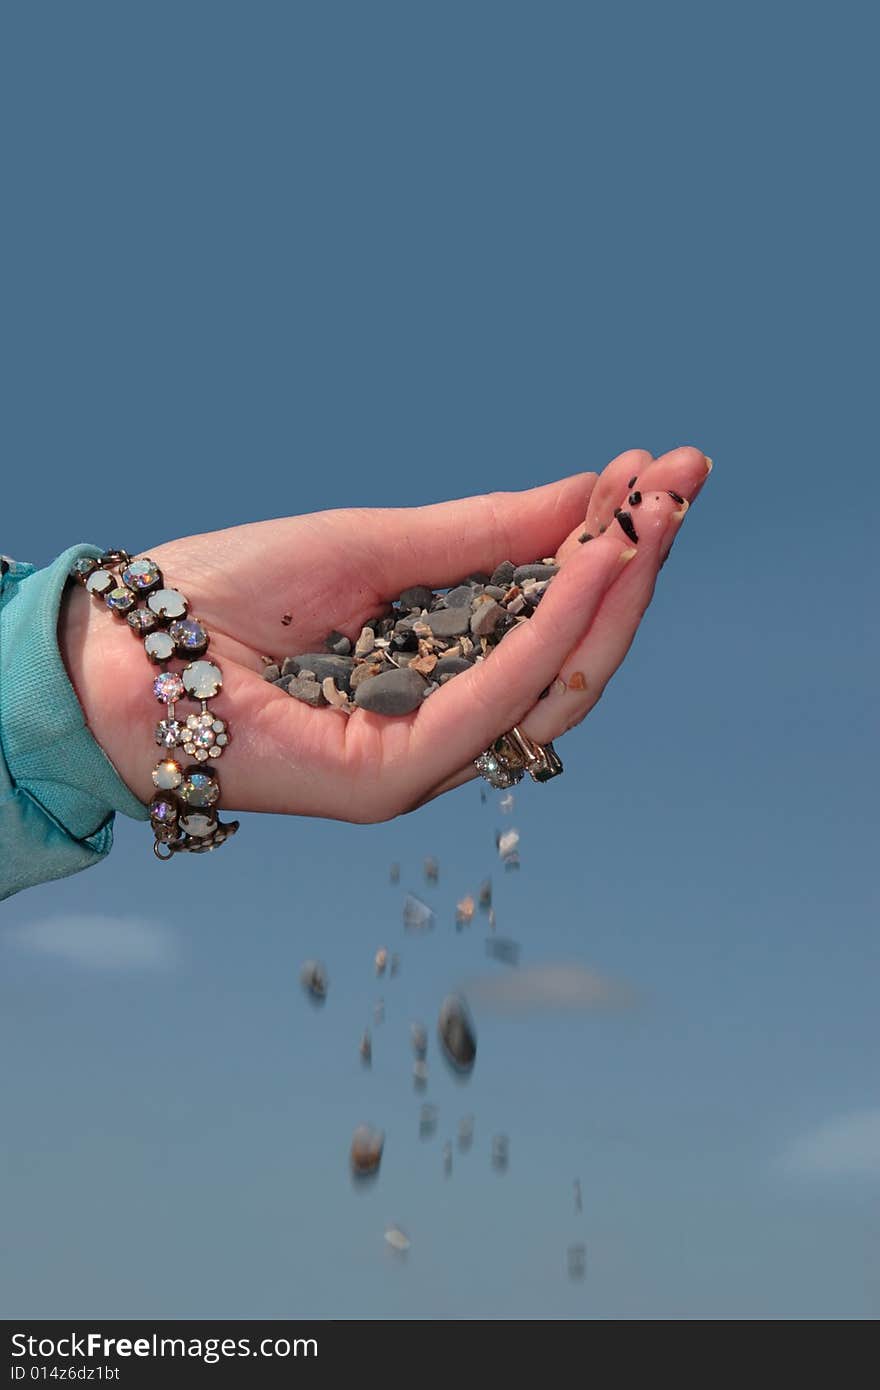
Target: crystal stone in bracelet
point(189, 637)
point(100, 582)
point(142, 622)
point(167, 603)
point(159, 646)
point(143, 575)
point(121, 600)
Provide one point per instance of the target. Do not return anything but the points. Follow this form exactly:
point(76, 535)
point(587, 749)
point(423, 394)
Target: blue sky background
point(287, 257)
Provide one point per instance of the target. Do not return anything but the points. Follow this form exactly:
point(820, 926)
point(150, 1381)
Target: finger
point(442, 543)
point(588, 668)
point(468, 713)
point(449, 784)
point(682, 471)
point(611, 487)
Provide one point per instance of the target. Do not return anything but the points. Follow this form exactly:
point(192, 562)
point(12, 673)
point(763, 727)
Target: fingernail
point(682, 509)
point(629, 554)
point(709, 464)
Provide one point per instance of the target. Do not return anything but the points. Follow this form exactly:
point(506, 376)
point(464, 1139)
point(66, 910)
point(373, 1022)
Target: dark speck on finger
point(585, 537)
point(544, 693)
point(626, 525)
point(633, 480)
point(676, 497)
point(602, 530)
point(635, 499)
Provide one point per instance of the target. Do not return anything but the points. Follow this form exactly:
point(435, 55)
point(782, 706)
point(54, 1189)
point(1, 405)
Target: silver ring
point(514, 754)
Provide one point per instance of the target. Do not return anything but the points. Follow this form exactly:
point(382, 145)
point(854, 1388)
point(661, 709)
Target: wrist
point(100, 659)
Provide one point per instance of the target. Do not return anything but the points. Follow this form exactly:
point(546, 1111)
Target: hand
point(337, 569)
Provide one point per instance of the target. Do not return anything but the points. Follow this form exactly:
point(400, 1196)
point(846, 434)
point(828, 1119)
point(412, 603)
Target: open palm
point(337, 569)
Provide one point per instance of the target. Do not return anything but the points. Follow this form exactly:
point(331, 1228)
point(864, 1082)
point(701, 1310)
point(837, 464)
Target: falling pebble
point(417, 916)
point(511, 861)
point(397, 1239)
point(577, 1262)
point(379, 1011)
point(500, 1152)
point(484, 896)
point(419, 1038)
point(313, 978)
point(507, 842)
point(432, 870)
point(503, 949)
point(366, 1151)
point(366, 1048)
point(464, 911)
point(427, 1121)
point(506, 803)
point(456, 1032)
point(447, 1158)
point(491, 919)
point(394, 875)
point(395, 964)
point(578, 1196)
point(381, 960)
point(420, 1075)
point(482, 796)
point(465, 1133)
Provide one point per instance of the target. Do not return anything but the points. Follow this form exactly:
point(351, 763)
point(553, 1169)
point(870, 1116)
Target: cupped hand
point(275, 588)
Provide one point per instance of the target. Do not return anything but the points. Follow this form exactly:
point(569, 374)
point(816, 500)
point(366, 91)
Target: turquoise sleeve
point(59, 792)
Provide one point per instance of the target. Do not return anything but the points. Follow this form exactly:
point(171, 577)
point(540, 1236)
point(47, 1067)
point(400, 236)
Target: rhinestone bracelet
point(182, 813)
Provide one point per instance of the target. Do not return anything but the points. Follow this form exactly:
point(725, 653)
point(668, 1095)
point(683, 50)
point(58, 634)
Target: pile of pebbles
point(429, 637)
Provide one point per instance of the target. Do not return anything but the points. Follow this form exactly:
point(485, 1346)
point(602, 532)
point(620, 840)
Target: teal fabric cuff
point(59, 791)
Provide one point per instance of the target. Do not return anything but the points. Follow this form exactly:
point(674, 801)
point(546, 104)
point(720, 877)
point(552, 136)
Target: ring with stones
point(514, 754)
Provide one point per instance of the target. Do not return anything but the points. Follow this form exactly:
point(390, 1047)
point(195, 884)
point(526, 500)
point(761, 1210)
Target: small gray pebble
point(338, 643)
point(323, 664)
point(394, 692)
point(308, 691)
point(495, 590)
point(523, 572)
point(456, 1032)
point(449, 622)
point(478, 578)
point(459, 597)
point(486, 618)
point(271, 673)
point(451, 666)
point(403, 636)
point(291, 666)
point(284, 681)
point(503, 575)
point(419, 596)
